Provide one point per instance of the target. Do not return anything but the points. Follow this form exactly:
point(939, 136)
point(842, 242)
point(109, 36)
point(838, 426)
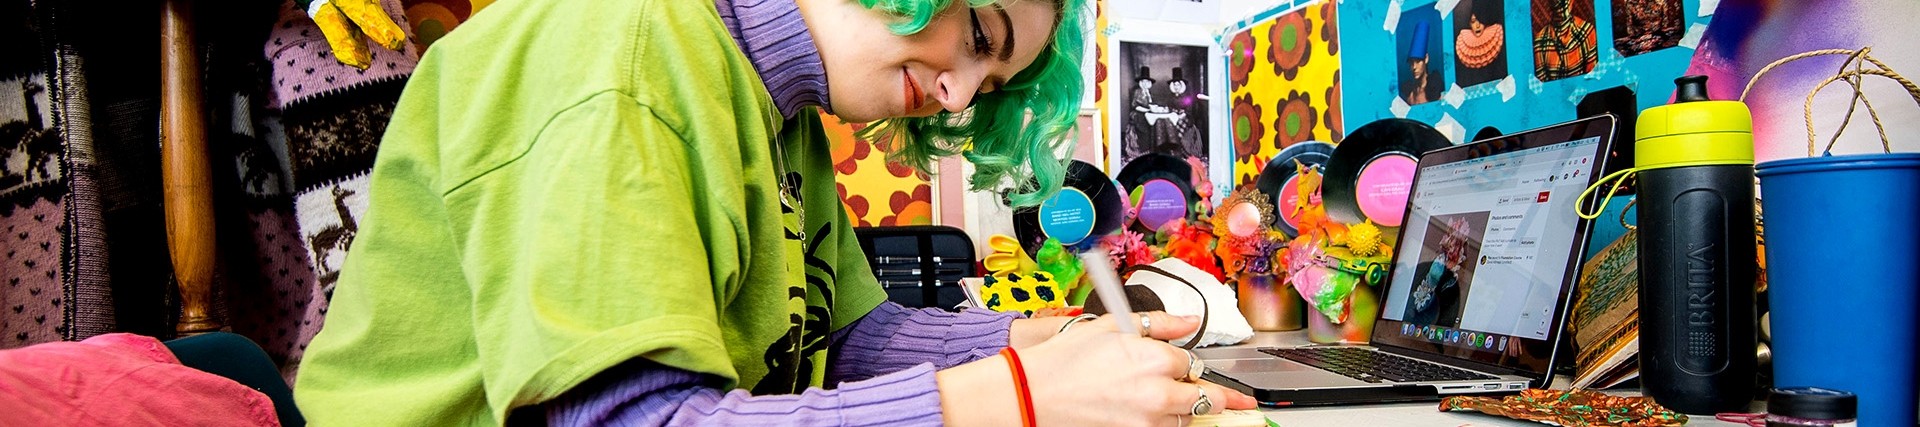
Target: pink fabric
point(120, 379)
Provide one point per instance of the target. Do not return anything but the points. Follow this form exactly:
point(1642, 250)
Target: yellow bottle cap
point(1694, 133)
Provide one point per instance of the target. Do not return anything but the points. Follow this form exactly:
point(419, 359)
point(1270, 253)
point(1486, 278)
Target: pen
point(1106, 282)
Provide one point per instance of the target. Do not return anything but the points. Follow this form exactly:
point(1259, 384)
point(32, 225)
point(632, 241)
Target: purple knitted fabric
point(333, 116)
point(643, 393)
point(781, 49)
point(892, 338)
point(887, 357)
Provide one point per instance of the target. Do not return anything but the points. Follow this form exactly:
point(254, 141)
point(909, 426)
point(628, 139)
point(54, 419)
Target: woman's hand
point(1091, 375)
point(1025, 333)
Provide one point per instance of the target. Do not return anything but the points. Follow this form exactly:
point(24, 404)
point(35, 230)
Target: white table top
point(1400, 414)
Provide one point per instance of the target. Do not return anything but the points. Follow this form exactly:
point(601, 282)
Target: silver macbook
point(1475, 301)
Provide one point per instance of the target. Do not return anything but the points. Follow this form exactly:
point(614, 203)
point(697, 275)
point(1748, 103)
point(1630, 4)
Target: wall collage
point(1462, 66)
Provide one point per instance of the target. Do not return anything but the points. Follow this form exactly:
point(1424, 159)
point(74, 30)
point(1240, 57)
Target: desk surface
point(1398, 414)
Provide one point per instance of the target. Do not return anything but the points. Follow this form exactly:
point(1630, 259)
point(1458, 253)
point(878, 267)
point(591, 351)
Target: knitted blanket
point(291, 135)
point(333, 116)
point(55, 283)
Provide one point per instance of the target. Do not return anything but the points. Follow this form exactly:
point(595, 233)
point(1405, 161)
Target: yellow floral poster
point(1284, 85)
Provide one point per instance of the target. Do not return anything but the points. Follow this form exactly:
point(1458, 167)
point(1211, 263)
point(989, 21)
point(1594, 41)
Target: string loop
point(1620, 176)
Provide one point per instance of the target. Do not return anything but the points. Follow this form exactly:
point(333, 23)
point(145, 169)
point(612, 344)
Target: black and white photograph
point(1163, 103)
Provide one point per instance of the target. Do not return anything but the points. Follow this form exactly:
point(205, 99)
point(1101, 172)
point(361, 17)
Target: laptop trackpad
point(1255, 365)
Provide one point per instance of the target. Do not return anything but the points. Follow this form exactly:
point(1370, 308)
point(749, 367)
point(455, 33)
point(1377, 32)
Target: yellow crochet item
point(1015, 292)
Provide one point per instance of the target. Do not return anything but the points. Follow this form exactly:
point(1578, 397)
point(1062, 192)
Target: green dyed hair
point(1020, 132)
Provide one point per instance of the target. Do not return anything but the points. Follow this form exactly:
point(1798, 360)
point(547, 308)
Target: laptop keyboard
point(1373, 366)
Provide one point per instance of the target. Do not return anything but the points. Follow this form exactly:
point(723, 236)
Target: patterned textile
point(285, 147)
point(1567, 47)
point(304, 178)
point(54, 265)
point(262, 279)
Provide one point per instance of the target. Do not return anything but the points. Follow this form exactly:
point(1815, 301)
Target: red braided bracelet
point(1020, 385)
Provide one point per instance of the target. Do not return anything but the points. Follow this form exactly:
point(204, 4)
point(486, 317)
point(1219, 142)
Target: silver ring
point(1146, 325)
point(1194, 367)
point(1075, 319)
point(1204, 405)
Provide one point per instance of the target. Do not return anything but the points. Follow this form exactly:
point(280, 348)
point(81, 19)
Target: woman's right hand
point(1092, 374)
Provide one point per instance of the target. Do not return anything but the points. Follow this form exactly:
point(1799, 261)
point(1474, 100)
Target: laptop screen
point(1490, 245)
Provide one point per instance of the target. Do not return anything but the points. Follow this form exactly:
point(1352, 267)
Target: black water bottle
point(1697, 255)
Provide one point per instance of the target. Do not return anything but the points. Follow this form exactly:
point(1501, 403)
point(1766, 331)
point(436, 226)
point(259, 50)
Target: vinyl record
point(1164, 187)
point(1088, 205)
point(1371, 171)
point(1277, 177)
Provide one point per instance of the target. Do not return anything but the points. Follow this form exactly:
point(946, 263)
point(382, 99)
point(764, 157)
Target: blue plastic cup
point(1843, 264)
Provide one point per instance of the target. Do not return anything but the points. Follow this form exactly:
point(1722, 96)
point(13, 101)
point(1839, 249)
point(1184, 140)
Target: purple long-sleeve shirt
point(884, 370)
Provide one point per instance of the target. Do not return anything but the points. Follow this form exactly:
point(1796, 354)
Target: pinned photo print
point(1565, 43)
point(1165, 109)
point(1418, 44)
point(1641, 26)
point(1479, 41)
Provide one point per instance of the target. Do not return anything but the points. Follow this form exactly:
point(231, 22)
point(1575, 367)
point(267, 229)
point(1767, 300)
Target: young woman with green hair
point(624, 213)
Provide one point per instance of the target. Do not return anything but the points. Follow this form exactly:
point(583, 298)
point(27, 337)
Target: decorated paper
point(876, 192)
point(1576, 408)
point(1284, 80)
point(1503, 66)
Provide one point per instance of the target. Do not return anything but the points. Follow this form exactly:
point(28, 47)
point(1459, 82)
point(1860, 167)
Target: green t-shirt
point(550, 202)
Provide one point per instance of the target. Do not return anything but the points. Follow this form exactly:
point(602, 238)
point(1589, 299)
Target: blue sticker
point(1067, 216)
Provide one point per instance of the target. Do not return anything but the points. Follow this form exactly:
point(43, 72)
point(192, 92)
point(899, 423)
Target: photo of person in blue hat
point(1421, 79)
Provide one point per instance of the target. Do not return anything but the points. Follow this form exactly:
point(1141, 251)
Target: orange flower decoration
point(1247, 128)
point(1288, 44)
point(1240, 57)
point(1296, 121)
point(910, 209)
point(1331, 117)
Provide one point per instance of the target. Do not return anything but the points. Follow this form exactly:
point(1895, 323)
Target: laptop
point(1476, 297)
